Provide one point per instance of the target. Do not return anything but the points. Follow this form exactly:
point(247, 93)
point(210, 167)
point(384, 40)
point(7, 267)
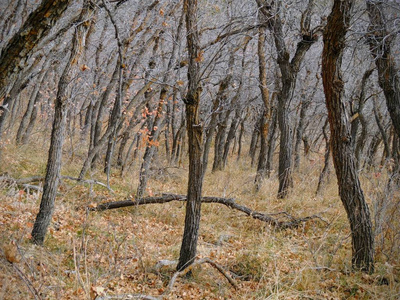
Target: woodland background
point(95, 110)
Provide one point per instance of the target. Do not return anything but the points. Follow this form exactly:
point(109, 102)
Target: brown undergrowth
point(114, 253)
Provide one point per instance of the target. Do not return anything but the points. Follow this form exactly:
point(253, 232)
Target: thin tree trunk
point(195, 131)
point(151, 146)
point(323, 176)
point(380, 41)
point(385, 139)
point(53, 170)
point(254, 139)
point(271, 141)
point(265, 120)
point(300, 131)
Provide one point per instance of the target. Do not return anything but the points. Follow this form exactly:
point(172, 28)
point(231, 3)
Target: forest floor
point(122, 253)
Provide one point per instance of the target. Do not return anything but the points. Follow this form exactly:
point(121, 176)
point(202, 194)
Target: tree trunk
point(350, 190)
point(265, 120)
point(323, 176)
point(20, 46)
point(194, 131)
point(33, 100)
point(254, 139)
point(300, 131)
point(271, 141)
point(289, 69)
point(151, 146)
point(380, 41)
point(57, 137)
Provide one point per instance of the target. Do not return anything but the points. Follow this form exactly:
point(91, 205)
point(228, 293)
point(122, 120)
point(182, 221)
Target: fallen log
point(290, 222)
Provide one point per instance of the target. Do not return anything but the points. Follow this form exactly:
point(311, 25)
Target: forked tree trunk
point(195, 140)
point(57, 137)
point(289, 69)
point(350, 190)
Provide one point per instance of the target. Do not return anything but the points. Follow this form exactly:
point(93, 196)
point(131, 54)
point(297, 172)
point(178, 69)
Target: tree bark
point(265, 120)
point(53, 170)
point(380, 41)
point(350, 190)
point(194, 131)
point(289, 69)
point(323, 176)
point(36, 27)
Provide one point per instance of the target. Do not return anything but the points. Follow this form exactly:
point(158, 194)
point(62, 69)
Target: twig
point(128, 296)
point(27, 282)
point(88, 181)
point(196, 263)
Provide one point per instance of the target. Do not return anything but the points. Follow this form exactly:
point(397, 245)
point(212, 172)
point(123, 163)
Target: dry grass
point(116, 252)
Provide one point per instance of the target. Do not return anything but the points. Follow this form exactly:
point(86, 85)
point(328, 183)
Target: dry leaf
point(96, 291)
point(84, 67)
point(11, 253)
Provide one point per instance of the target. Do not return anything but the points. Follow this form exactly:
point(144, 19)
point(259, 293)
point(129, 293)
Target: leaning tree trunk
point(350, 190)
point(195, 140)
point(36, 27)
point(57, 137)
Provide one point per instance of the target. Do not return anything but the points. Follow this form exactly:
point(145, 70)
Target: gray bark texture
point(350, 190)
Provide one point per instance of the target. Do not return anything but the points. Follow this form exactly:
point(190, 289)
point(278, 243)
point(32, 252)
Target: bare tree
point(53, 170)
point(289, 68)
point(380, 41)
point(195, 140)
point(350, 190)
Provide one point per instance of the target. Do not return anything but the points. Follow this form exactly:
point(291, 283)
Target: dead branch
point(28, 180)
point(127, 296)
point(196, 263)
point(292, 222)
point(88, 181)
point(21, 181)
point(27, 282)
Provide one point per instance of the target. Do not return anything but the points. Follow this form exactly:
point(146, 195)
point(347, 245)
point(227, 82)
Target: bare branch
point(196, 263)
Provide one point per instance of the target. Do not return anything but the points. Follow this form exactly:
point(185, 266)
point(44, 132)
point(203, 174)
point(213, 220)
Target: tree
point(289, 68)
point(53, 169)
point(380, 41)
point(195, 140)
point(350, 190)
point(266, 115)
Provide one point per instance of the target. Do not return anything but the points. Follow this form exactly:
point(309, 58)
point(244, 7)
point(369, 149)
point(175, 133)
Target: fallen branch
point(21, 181)
point(127, 296)
point(88, 181)
point(28, 180)
point(268, 218)
point(196, 263)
